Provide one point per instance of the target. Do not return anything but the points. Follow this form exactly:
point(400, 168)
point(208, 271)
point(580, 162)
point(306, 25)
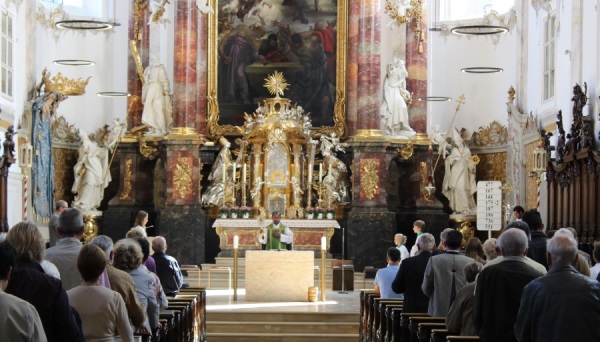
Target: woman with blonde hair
point(474, 250)
point(45, 293)
point(106, 316)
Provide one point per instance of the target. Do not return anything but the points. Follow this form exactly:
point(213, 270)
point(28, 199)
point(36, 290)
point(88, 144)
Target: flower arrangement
point(310, 213)
point(245, 211)
point(235, 211)
point(320, 212)
point(224, 211)
point(329, 212)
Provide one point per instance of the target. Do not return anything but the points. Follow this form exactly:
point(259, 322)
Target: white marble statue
point(218, 176)
point(459, 182)
point(394, 111)
point(335, 180)
point(437, 137)
point(158, 111)
point(91, 174)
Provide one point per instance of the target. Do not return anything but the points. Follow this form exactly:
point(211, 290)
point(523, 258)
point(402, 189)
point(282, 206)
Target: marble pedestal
point(369, 233)
point(184, 228)
point(279, 276)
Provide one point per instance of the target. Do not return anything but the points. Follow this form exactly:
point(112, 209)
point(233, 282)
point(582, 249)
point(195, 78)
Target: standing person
point(499, 288)
point(105, 316)
point(518, 212)
point(64, 254)
point(410, 276)
point(444, 275)
point(158, 111)
point(29, 282)
point(563, 305)
point(59, 207)
point(399, 241)
point(459, 181)
point(141, 219)
point(474, 250)
point(385, 276)
point(19, 319)
point(122, 283)
point(537, 246)
point(276, 235)
point(460, 315)
point(167, 268)
point(419, 229)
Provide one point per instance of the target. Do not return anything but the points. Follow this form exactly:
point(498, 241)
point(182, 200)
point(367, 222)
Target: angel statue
point(335, 180)
point(257, 191)
point(92, 174)
point(297, 191)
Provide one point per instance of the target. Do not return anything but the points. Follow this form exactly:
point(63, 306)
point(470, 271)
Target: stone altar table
point(307, 234)
point(279, 276)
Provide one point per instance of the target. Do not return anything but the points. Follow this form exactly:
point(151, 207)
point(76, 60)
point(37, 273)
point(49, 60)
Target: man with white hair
point(499, 287)
point(410, 276)
point(64, 254)
point(167, 268)
point(563, 305)
point(399, 241)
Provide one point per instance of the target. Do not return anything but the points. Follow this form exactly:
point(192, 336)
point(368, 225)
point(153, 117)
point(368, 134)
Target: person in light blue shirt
point(385, 276)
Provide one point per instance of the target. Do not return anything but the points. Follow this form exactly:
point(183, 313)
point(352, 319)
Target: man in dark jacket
point(537, 246)
point(410, 276)
point(167, 268)
point(563, 305)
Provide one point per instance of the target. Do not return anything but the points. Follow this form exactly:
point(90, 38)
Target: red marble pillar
point(202, 79)
point(352, 66)
point(139, 32)
point(369, 64)
point(416, 82)
point(185, 88)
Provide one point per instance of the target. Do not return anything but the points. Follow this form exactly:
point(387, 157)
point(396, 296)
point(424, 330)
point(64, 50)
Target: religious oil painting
point(251, 39)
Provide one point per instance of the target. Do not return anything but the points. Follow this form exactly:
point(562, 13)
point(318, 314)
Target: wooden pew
point(414, 321)
point(439, 335)
point(394, 332)
point(169, 318)
point(380, 331)
point(364, 302)
point(198, 297)
point(375, 323)
point(462, 338)
point(404, 324)
point(424, 331)
point(387, 327)
point(370, 314)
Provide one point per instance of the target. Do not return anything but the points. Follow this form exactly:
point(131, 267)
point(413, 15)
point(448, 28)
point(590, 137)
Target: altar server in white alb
point(276, 236)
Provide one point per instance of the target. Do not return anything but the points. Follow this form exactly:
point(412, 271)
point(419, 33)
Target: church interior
point(350, 118)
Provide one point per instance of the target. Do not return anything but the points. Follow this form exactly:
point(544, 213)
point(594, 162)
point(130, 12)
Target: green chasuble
point(273, 242)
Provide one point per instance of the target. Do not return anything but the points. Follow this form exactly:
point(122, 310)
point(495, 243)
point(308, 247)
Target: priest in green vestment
point(276, 236)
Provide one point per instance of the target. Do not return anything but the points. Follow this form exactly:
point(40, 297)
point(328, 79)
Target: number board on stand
point(489, 205)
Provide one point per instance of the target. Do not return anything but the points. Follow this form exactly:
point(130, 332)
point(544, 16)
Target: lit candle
point(234, 168)
point(323, 243)
point(244, 173)
point(236, 242)
point(320, 173)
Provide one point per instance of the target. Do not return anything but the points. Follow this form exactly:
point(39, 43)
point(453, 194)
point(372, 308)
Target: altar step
point(234, 326)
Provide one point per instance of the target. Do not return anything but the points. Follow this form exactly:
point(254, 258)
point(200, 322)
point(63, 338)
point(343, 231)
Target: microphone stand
point(343, 258)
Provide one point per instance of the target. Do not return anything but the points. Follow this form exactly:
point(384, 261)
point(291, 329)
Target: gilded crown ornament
point(63, 84)
point(276, 84)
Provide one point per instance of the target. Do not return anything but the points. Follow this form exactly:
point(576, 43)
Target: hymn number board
point(489, 205)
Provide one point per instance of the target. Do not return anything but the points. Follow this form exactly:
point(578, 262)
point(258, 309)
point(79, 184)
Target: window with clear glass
point(549, 56)
point(6, 58)
point(470, 9)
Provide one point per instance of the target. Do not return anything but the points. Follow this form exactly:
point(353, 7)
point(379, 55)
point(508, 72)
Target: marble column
point(416, 82)
point(185, 87)
point(139, 32)
point(352, 67)
point(202, 74)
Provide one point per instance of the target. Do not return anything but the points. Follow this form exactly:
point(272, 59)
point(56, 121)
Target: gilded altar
point(307, 234)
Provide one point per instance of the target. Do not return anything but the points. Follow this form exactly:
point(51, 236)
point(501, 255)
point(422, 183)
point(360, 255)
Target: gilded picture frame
point(225, 105)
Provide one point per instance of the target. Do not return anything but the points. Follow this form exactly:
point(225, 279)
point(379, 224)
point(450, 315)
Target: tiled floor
point(335, 302)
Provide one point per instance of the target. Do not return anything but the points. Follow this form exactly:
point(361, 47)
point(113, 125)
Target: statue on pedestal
point(158, 110)
point(394, 110)
point(218, 176)
point(92, 174)
point(459, 182)
point(335, 180)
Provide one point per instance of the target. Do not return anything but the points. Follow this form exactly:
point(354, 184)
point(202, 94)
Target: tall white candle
point(234, 169)
point(320, 173)
point(244, 173)
point(323, 243)
point(236, 242)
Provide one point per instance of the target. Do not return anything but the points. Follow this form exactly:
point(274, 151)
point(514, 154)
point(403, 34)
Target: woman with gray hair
point(128, 257)
point(45, 293)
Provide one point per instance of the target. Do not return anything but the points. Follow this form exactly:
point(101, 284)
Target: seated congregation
point(98, 291)
point(523, 286)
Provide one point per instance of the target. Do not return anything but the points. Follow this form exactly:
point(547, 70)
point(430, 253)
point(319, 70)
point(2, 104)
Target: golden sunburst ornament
point(276, 84)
